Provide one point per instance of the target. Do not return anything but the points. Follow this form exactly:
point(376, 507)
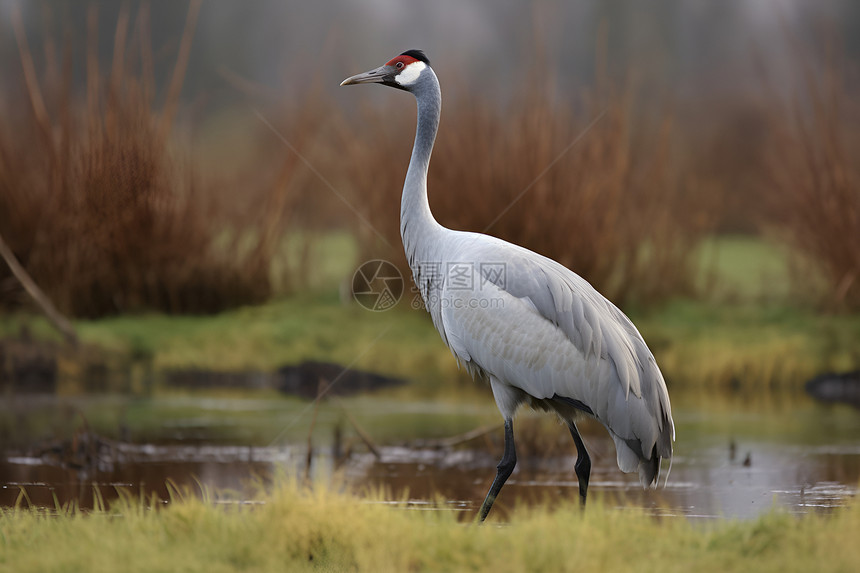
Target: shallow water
point(735, 456)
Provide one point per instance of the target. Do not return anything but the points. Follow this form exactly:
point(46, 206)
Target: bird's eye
point(398, 65)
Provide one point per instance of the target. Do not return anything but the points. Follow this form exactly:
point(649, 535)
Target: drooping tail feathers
point(630, 455)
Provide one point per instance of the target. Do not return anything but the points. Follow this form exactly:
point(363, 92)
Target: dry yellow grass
point(295, 529)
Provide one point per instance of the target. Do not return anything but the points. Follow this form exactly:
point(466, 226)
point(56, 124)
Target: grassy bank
point(746, 328)
point(696, 343)
point(293, 529)
point(770, 346)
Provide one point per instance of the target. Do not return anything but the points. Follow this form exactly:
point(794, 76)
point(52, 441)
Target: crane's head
point(401, 72)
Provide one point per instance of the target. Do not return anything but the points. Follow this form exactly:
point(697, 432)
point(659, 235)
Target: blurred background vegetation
point(193, 158)
point(188, 184)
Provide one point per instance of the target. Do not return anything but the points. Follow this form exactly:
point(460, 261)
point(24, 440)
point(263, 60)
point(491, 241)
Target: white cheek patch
point(410, 73)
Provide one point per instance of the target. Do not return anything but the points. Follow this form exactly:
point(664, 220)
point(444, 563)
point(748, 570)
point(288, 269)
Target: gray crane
point(538, 332)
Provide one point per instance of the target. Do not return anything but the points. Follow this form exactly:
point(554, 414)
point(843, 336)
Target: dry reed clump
point(814, 182)
point(100, 207)
point(607, 203)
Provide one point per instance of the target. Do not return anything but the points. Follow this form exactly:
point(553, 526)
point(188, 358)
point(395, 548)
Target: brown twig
point(44, 303)
point(176, 80)
point(40, 111)
point(92, 62)
point(365, 437)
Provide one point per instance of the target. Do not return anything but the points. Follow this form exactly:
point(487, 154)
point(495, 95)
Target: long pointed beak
point(376, 76)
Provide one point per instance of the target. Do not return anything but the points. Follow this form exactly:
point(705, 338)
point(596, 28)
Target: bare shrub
point(813, 179)
point(101, 206)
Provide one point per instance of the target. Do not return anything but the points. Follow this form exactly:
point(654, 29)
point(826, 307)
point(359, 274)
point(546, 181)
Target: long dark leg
point(503, 470)
point(583, 462)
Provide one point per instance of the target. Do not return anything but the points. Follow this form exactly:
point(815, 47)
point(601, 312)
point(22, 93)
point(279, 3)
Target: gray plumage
point(538, 332)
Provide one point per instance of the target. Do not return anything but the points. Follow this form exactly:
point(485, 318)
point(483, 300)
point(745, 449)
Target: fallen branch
point(45, 305)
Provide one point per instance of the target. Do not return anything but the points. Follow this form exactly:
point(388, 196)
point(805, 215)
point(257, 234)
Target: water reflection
point(704, 485)
point(734, 458)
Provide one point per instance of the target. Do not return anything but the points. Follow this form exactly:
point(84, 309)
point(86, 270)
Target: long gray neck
point(418, 228)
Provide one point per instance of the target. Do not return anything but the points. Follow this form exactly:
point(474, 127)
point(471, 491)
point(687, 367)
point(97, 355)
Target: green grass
point(264, 337)
point(741, 269)
point(296, 529)
point(315, 260)
point(759, 346)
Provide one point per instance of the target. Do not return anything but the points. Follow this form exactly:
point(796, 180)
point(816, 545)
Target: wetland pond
point(736, 455)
